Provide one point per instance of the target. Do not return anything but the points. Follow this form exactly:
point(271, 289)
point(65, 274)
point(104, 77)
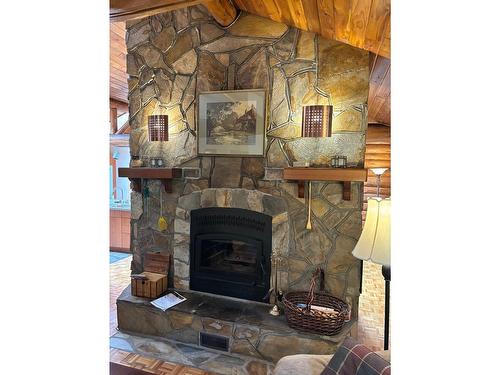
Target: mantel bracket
point(346, 190)
point(136, 184)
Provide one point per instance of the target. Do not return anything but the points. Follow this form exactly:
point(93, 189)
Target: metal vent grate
point(214, 342)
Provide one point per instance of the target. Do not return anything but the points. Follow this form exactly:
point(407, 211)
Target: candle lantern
point(339, 161)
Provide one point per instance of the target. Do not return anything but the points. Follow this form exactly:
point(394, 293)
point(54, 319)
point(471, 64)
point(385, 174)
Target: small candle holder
point(339, 161)
point(156, 162)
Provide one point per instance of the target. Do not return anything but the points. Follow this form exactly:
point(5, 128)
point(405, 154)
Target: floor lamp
point(375, 243)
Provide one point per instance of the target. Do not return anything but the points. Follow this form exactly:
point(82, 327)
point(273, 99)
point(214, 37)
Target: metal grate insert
point(214, 341)
point(316, 120)
point(158, 128)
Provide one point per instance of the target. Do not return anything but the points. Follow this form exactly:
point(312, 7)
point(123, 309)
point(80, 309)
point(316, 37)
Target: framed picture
point(232, 123)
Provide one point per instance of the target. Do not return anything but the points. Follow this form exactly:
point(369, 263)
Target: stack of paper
point(169, 300)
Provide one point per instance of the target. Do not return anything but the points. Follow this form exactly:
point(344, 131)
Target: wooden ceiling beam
point(122, 10)
point(223, 11)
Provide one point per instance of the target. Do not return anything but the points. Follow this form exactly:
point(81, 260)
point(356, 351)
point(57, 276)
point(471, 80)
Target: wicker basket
point(312, 320)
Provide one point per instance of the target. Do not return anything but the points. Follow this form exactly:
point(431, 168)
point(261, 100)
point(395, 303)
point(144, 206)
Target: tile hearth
point(252, 332)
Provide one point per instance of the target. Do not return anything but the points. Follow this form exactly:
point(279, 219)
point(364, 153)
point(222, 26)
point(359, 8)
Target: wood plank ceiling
point(379, 95)
point(118, 86)
point(361, 23)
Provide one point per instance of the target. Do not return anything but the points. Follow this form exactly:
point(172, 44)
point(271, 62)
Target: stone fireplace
point(256, 220)
point(172, 57)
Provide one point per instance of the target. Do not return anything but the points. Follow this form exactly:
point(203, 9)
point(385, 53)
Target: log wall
point(378, 155)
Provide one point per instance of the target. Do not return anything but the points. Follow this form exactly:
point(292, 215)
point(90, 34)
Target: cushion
point(352, 358)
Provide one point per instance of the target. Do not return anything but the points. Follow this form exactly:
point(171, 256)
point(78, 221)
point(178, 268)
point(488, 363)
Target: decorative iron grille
point(158, 128)
point(316, 121)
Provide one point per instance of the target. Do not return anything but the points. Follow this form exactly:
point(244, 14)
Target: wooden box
point(153, 281)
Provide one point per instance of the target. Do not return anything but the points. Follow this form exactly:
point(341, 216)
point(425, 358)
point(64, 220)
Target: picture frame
point(232, 123)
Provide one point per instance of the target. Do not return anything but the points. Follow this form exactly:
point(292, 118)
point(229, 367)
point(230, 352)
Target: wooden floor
point(119, 278)
point(151, 365)
point(372, 307)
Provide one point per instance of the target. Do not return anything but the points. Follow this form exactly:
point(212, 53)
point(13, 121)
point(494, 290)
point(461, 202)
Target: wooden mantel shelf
point(325, 174)
point(164, 174)
point(345, 175)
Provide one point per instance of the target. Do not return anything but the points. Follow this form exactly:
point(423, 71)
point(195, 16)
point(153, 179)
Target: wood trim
point(153, 173)
point(113, 120)
point(325, 174)
point(137, 174)
point(123, 10)
point(301, 188)
point(125, 129)
point(346, 191)
point(120, 106)
point(112, 163)
point(120, 249)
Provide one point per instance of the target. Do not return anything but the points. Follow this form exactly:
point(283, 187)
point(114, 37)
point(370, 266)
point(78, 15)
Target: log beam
point(123, 10)
point(223, 11)
point(377, 134)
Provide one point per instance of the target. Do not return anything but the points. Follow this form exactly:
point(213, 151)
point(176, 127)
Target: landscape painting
point(232, 123)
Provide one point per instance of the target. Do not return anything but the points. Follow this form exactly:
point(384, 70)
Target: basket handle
point(310, 296)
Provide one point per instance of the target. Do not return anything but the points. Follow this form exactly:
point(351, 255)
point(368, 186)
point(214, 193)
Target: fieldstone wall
point(174, 56)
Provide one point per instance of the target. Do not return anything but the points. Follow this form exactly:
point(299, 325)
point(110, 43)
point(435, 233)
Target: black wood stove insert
point(231, 252)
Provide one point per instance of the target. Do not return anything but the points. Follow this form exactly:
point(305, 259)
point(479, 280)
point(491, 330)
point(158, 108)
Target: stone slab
point(248, 324)
point(190, 355)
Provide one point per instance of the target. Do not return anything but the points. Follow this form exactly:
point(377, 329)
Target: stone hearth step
point(251, 330)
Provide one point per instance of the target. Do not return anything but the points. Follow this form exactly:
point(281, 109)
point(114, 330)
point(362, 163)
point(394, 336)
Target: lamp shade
point(375, 241)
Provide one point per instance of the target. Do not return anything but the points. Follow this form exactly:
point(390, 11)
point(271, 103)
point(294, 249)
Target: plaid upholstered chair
point(351, 358)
